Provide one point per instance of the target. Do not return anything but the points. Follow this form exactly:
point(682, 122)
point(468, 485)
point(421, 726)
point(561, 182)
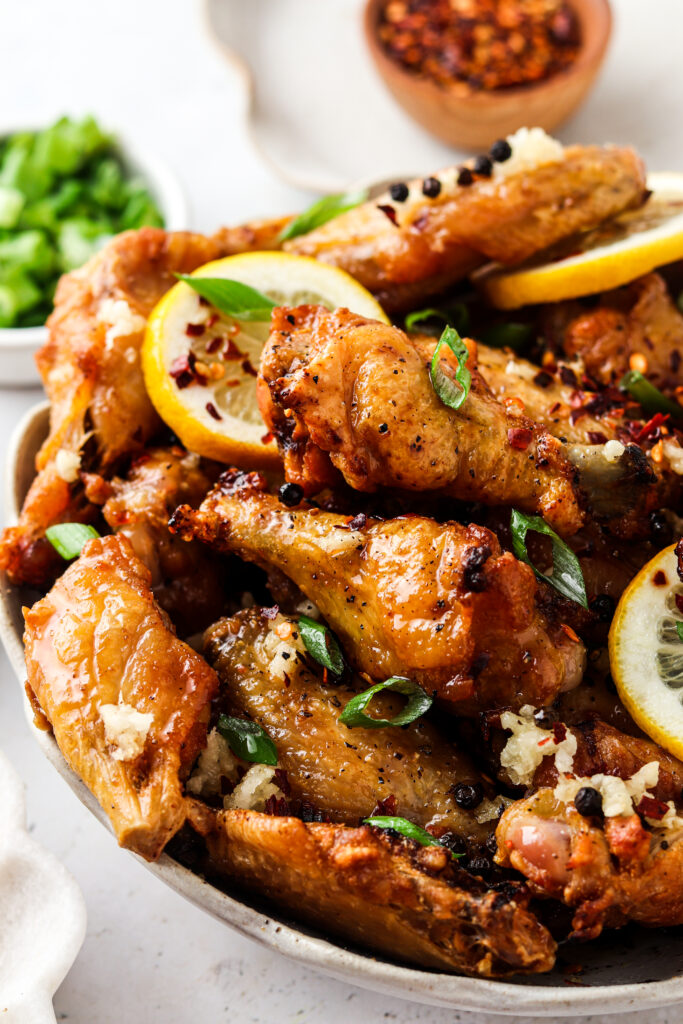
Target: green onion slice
point(418, 704)
point(68, 538)
point(231, 297)
point(409, 830)
point(247, 739)
point(647, 395)
point(322, 644)
point(567, 577)
point(321, 211)
point(448, 391)
point(456, 315)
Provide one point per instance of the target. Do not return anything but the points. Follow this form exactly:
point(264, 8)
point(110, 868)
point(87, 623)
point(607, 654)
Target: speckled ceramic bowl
point(633, 969)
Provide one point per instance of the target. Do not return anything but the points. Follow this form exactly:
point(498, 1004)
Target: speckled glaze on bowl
point(633, 969)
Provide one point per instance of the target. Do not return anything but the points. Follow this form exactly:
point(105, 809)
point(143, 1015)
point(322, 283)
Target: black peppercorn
point(468, 796)
point(454, 842)
point(491, 844)
point(383, 427)
point(431, 187)
point(545, 718)
point(465, 176)
point(478, 866)
point(588, 802)
point(500, 151)
point(399, 192)
point(291, 495)
point(483, 166)
point(603, 606)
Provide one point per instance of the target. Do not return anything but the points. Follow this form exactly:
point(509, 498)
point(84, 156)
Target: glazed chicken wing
point(344, 773)
point(407, 902)
point(128, 701)
point(441, 604)
point(406, 251)
point(342, 393)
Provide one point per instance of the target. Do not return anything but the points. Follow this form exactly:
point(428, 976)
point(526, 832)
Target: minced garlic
point(68, 465)
point(280, 646)
point(674, 455)
point(528, 745)
point(619, 796)
point(531, 147)
point(215, 762)
point(255, 788)
point(126, 729)
point(122, 321)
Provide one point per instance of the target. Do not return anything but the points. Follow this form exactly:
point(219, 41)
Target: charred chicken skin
point(441, 604)
point(405, 251)
point(408, 902)
point(347, 395)
point(128, 702)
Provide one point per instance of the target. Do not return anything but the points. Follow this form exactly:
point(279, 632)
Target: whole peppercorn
point(483, 166)
point(465, 176)
point(588, 802)
point(603, 606)
point(399, 192)
point(500, 151)
point(468, 795)
point(454, 842)
point(491, 844)
point(545, 718)
point(478, 866)
point(290, 495)
point(431, 187)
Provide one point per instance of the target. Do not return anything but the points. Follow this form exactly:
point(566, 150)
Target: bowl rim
point(591, 52)
point(279, 934)
point(159, 177)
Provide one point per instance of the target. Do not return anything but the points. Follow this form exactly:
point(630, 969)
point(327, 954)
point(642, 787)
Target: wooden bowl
point(474, 121)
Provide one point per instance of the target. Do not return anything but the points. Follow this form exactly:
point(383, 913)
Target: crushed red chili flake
point(277, 806)
point(650, 807)
point(388, 806)
point(280, 776)
point(543, 379)
point(519, 438)
point(568, 377)
point(214, 344)
point(389, 212)
point(597, 437)
point(480, 44)
point(182, 370)
point(659, 579)
point(213, 411)
point(195, 330)
point(231, 350)
point(568, 631)
point(650, 431)
point(272, 612)
point(267, 438)
point(678, 550)
point(559, 731)
point(248, 368)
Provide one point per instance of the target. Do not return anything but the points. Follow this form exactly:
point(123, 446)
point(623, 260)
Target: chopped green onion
point(11, 205)
point(231, 297)
point(679, 630)
point(456, 315)
point(418, 704)
point(409, 830)
point(449, 393)
point(247, 739)
point(321, 211)
point(567, 577)
point(512, 335)
point(647, 395)
point(321, 644)
point(68, 539)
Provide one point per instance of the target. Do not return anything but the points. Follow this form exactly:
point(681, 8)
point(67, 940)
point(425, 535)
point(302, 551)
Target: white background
point(148, 67)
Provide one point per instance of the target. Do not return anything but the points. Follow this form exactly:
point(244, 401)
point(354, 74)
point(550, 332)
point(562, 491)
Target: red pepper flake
point(678, 551)
point(182, 370)
point(358, 522)
point(651, 428)
point(213, 411)
point(389, 212)
point(248, 368)
point(542, 743)
point(659, 579)
point(212, 320)
point(267, 438)
point(519, 438)
point(388, 806)
point(568, 377)
point(568, 631)
point(195, 330)
point(596, 437)
point(280, 776)
point(543, 379)
point(576, 414)
point(232, 351)
point(650, 807)
point(679, 602)
point(214, 344)
point(554, 408)
point(277, 806)
point(559, 730)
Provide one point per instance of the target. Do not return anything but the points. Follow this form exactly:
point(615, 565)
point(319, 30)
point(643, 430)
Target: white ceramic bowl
point(18, 345)
point(633, 969)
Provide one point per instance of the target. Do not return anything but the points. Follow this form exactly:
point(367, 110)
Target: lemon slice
point(646, 654)
point(200, 366)
point(613, 254)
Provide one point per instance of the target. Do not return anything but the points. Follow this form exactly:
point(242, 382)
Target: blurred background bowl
point(18, 345)
point(475, 119)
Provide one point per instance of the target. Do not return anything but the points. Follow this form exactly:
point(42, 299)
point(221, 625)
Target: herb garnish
point(647, 395)
point(456, 315)
point(448, 391)
point(419, 702)
point(511, 335)
point(409, 830)
point(321, 644)
point(321, 211)
point(231, 297)
point(567, 577)
point(68, 539)
point(247, 739)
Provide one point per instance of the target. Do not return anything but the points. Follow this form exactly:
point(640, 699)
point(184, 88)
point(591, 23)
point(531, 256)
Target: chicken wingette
point(441, 604)
point(128, 702)
point(404, 251)
point(267, 676)
point(403, 901)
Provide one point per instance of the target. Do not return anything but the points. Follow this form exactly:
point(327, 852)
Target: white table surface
point(147, 66)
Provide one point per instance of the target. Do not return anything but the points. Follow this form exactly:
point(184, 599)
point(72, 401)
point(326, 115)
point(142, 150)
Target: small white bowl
point(18, 345)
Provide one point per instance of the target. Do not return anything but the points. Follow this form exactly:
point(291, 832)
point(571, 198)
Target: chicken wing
point(345, 773)
point(186, 581)
point(342, 393)
point(128, 702)
point(403, 901)
point(406, 251)
point(438, 603)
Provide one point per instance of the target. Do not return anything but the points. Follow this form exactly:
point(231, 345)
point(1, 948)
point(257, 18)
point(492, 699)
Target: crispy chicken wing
point(345, 773)
point(186, 581)
point(405, 251)
point(407, 902)
point(128, 701)
point(342, 393)
point(408, 596)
